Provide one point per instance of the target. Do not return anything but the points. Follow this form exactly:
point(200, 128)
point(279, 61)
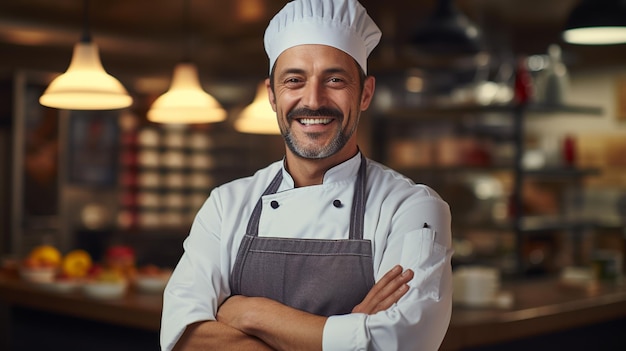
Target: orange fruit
point(45, 256)
point(77, 263)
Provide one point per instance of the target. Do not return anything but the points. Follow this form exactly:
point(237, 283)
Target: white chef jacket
point(395, 214)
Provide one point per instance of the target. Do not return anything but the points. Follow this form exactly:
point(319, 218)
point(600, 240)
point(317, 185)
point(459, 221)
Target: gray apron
point(323, 277)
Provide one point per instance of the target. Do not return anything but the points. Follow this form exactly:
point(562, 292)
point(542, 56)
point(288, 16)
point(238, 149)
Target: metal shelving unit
point(521, 224)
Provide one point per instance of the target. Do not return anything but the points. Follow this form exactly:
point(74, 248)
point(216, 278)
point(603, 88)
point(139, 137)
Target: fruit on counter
point(110, 276)
point(43, 256)
point(122, 259)
point(77, 263)
point(150, 270)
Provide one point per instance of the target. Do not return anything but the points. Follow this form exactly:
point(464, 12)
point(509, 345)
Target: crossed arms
point(256, 323)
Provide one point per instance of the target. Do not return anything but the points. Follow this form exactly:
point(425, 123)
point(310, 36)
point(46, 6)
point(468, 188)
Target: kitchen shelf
point(461, 111)
point(562, 172)
point(500, 125)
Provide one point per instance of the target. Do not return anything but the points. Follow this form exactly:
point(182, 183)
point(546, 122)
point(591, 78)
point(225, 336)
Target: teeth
point(309, 121)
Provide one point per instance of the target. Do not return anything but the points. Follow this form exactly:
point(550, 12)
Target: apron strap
point(357, 215)
point(255, 218)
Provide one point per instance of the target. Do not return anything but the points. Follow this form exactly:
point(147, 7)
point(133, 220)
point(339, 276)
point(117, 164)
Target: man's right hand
point(387, 291)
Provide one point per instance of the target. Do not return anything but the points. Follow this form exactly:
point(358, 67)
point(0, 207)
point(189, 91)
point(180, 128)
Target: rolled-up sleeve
point(420, 319)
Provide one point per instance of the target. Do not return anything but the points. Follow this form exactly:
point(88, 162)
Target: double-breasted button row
point(274, 204)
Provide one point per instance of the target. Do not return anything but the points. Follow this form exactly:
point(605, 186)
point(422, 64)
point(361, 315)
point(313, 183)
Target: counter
point(541, 307)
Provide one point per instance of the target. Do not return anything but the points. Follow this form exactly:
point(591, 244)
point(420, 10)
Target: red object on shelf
point(523, 83)
point(569, 150)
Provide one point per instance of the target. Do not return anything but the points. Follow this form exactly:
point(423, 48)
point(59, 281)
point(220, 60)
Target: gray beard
point(338, 142)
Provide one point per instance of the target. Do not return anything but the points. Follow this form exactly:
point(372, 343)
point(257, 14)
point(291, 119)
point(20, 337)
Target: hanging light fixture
point(597, 22)
point(447, 32)
point(186, 102)
point(258, 117)
point(85, 85)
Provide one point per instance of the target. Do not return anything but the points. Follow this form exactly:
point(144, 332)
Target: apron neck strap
point(357, 214)
point(255, 218)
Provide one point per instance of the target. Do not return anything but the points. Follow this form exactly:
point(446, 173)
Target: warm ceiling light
point(258, 117)
point(597, 22)
point(186, 102)
point(85, 85)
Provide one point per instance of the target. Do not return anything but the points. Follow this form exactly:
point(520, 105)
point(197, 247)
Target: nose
point(313, 94)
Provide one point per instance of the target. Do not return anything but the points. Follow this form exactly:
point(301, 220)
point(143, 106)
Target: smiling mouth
point(314, 121)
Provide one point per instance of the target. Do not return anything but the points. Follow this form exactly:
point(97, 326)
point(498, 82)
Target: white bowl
point(61, 286)
point(151, 284)
point(105, 290)
point(38, 275)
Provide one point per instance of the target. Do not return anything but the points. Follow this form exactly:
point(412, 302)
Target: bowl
point(38, 275)
point(151, 284)
point(104, 290)
point(61, 286)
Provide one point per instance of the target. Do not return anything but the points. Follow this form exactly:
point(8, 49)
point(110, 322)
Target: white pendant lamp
point(86, 85)
point(597, 22)
point(185, 102)
point(258, 117)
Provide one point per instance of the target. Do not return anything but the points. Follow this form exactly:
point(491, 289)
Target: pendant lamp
point(186, 102)
point(258, 117)
point(597, 22)
point(85, 85)
point(447, 32)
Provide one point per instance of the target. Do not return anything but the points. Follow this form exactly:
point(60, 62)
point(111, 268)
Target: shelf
point(562, 172)
point(460, 111)
point(565, 172)
point(538, 224)
point(493, 124)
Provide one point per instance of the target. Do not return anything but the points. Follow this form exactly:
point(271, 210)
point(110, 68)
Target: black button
point(274, 204)
point(337, 203)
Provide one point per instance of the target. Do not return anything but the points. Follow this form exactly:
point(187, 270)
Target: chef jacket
point(397, 211)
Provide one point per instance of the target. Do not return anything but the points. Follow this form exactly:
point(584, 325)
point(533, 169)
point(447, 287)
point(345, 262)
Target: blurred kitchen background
point(520, 131)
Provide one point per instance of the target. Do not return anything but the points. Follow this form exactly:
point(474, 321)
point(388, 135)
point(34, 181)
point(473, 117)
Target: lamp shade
point(85, 85)
point(258, 117)
point(597, 22)
point(186, 102)
point(447, 32)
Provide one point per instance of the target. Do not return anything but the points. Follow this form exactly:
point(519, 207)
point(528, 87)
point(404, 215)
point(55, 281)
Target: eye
point(293, 82)
point(336, 82)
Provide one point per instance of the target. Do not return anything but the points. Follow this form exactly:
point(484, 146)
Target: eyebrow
point(301, 71)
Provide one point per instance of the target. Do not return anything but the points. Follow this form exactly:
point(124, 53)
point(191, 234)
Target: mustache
point(320, 112)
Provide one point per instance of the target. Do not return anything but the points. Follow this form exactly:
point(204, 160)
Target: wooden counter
point(134, 310)
point(540, 307)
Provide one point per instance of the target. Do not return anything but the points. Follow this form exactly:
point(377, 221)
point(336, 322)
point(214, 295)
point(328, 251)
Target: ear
point(368, 92)
point(270, 94)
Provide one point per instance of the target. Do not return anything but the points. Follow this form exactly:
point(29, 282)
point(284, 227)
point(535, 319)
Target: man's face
point(318, 99)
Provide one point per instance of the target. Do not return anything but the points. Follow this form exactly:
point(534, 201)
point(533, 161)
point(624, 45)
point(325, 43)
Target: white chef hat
point(342, 24)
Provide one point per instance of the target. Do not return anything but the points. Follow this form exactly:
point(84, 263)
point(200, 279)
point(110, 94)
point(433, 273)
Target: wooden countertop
point(134, 309)
point(540, 306)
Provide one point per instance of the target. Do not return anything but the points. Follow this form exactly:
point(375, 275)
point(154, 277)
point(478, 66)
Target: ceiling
point(145, 38)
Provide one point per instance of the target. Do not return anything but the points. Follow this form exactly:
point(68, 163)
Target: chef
point(324, 249)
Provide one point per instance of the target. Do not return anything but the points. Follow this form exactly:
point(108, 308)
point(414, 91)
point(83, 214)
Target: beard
point(338, 141)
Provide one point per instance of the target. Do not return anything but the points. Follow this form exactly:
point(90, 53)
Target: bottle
point(569, 151)
point(556, 79)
